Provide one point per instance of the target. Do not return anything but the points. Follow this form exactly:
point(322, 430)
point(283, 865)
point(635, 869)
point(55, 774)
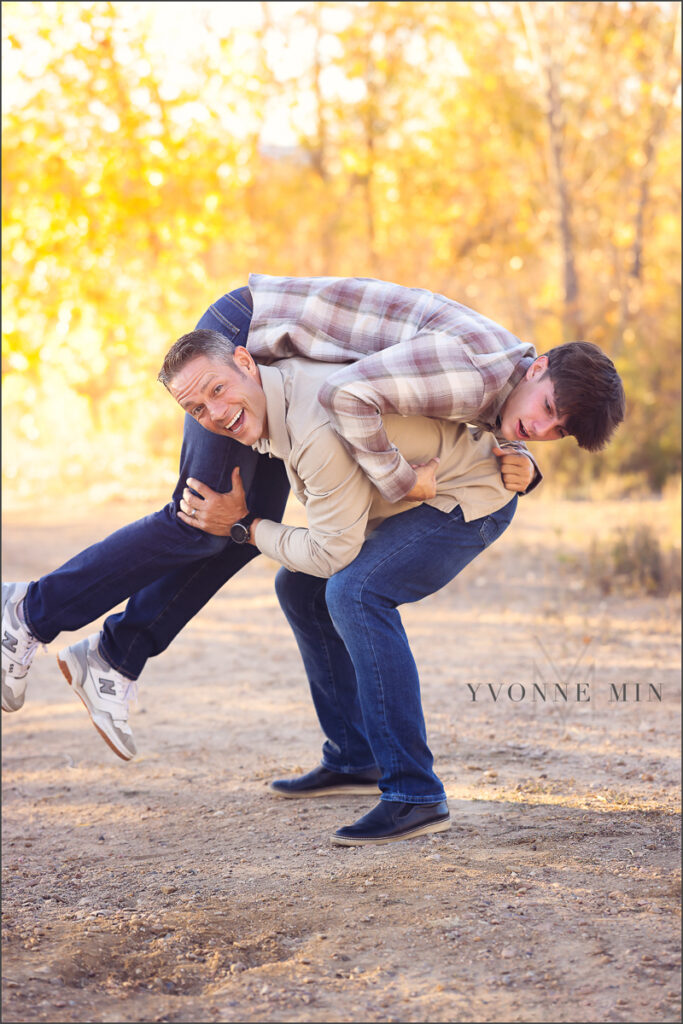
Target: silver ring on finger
point(193, 512)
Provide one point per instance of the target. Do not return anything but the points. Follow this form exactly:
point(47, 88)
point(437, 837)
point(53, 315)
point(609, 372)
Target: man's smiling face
point(225, 399)
point(530, 411)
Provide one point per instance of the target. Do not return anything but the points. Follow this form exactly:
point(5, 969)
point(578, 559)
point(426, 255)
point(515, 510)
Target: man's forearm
point(302, 550)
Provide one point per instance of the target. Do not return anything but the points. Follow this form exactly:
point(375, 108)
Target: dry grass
point(634, 561)
point(626, 546)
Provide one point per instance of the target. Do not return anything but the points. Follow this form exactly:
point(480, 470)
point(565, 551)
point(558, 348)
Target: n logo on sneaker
point(10, 642)
point(107, 686)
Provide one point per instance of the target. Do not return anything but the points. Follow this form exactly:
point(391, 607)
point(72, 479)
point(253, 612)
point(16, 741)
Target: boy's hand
point(213, 512)
point(517, 470)
point(425, 486)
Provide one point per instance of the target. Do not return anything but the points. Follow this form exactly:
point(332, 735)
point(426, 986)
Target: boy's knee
point(207, 545)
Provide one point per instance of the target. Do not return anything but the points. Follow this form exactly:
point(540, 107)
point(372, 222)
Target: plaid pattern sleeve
point(424, 377)
point(407, 350)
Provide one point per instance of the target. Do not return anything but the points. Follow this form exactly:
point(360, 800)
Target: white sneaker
point(104, 692)
point(18, 647)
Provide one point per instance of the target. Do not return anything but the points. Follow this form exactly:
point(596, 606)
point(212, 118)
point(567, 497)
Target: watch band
point(239, 531)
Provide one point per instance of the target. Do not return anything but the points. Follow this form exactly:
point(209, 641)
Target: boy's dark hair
point(588, 390)
point(197, 343)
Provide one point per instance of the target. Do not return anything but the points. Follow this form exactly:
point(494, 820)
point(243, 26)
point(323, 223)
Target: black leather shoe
point(323, 782)
point(388, 822)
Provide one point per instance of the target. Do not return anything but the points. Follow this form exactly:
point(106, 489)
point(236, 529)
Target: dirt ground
point(177, 888)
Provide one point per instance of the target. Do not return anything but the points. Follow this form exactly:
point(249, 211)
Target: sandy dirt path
point(177, 888)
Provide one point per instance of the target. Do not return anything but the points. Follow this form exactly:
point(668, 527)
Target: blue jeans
point(360, 668)
point(167, 570)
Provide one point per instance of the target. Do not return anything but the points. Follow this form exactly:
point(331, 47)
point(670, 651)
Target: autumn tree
point(521, 158)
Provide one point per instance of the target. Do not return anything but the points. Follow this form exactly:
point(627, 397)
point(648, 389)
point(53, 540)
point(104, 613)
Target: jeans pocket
point(491, 527)
point(488, 530)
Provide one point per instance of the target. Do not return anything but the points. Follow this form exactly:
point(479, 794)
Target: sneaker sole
point(350, 790)
point(18, 704)
point(5, 704)
point(66, 672)
point(422, 830)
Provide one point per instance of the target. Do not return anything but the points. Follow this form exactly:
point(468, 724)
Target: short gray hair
point(201, 342)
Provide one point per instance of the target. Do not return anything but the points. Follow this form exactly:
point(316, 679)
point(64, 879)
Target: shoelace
point(31, 644)
point(126, 689)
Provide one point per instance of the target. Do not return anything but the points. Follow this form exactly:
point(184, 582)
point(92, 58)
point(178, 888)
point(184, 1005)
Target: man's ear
point(537, 368)
point(243, 360)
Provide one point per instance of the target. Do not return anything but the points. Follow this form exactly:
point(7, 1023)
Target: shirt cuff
point(266, 534)
point(537, 477)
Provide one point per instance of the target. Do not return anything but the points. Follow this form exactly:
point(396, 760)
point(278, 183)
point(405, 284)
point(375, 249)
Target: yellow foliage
point(150, 164)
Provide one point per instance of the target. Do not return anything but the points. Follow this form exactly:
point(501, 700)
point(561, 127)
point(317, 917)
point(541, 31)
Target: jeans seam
point(224, 320)
point(238, 302)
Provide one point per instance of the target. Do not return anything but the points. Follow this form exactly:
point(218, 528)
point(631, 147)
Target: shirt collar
point(490, 414)
point(278, 442)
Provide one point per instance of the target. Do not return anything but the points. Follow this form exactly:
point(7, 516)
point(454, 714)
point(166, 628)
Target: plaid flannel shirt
point(408, 350)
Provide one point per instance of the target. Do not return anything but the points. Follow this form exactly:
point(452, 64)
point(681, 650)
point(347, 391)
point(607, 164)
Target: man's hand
point(213, 513)
point(517, 470)
point(425, 486)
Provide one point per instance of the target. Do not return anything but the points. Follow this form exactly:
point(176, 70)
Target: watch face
point(239, 533)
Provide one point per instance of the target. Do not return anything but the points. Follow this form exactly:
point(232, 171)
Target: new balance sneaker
point(18, 647)
point(104, 692)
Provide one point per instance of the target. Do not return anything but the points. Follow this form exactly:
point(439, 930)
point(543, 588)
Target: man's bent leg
point(409, 556)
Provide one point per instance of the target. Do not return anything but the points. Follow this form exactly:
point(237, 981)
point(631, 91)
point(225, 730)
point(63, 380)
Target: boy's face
point(529, 412)
point(225, 399)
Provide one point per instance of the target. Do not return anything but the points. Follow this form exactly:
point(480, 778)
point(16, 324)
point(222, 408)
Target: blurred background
point(523, 158)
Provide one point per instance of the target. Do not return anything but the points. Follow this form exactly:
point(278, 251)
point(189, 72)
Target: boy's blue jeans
point(360, 668)
point(167, 570)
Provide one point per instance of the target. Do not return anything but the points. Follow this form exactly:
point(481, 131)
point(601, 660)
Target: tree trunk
point(549, 69)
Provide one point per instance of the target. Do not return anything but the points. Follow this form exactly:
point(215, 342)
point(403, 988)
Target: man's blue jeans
point(167, 570)
point(360, 668)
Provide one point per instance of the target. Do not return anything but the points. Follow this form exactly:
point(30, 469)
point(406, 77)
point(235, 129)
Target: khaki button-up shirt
point(342, 506)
